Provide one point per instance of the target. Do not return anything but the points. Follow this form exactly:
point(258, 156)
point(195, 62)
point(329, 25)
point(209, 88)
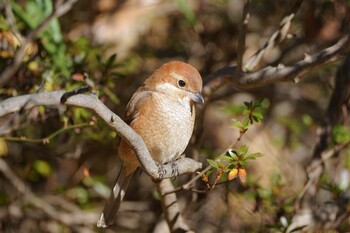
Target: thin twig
point(315, 168)
point(10, 18)
point(324, 157)
point(47, 139)
point(272, 74)
point(71, 218)
point(242, 35)
point(279, 35)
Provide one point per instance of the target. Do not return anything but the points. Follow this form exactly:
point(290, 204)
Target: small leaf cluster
point(341, 134)
point(253, 112)
point(233, 162)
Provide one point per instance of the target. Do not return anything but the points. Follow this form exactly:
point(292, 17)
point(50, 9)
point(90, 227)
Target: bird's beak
point(197, 97)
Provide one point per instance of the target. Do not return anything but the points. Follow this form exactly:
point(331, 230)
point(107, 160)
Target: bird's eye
point(182, 83)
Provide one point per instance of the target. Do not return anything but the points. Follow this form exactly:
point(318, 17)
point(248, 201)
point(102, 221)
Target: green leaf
point(80, 194)
point(253, 156)
point(257, 103)
point(307, 119)
point(42, 167)
point(341, 134)
point(237, 124)
point(258, 115)
point(111, 61)
point(225, 158)
point(208, 173)
point(246, 112)
point(243, 163)
point(243, 149)
point(213, 163)
point(187, 11)
point(246, 123)
point(249, 105)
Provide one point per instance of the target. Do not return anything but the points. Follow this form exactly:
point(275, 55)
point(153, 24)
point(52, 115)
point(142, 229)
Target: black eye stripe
point(182, 83)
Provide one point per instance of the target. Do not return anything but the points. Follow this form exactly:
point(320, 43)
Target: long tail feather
point(112, 205)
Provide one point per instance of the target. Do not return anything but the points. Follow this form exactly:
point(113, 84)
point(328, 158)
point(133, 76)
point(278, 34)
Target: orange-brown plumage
point(162, 112)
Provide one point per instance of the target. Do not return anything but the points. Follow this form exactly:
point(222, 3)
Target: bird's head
point(179, 79)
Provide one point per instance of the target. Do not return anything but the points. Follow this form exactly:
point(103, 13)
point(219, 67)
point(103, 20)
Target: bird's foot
point(161, 170)
point(174, 169)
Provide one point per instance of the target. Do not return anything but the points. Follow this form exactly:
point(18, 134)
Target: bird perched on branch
point(162, 112)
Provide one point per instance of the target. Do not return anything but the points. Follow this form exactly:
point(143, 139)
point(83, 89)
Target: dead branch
point(277, 37)
point(272, 74)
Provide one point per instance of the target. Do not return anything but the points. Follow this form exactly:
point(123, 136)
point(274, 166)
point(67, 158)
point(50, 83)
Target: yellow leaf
point(3, 148)
point(232, 174)
point(242, 174)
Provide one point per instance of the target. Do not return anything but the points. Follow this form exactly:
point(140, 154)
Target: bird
point(162, 112)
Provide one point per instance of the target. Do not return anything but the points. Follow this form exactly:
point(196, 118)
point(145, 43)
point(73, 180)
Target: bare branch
point(76, 217)
point(275, 38)
point(170, 206)
point(271, 74)
point(10, 105)
point(60, 9)
point(306, 201)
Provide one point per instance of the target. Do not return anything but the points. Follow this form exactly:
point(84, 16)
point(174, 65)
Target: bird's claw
point(174, 169)
point(161, 170)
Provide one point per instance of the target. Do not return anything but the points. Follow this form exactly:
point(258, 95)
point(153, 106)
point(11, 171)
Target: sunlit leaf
point(213, 163)
point(225, 158)
point(232, 174)
point(258, 115)
point(253, 156)
point(42, 167)
point(242, 174)
point(243, 149)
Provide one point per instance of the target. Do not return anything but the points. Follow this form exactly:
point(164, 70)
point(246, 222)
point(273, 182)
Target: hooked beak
point(196, 97)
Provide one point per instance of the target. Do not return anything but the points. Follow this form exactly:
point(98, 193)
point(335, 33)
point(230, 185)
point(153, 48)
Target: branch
point(307, 200)
point(60, 9)
point(242, 35)
point(91, 102)
point(274, 39)
point(271, 74)
point(47, 139)
point(170, 206)
point(71, 218)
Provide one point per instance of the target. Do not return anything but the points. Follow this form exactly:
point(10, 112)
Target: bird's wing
point(140, 97)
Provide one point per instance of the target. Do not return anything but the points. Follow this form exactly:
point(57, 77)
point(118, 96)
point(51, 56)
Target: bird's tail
point(112, 205)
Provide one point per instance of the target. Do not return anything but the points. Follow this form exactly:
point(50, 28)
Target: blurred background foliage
point(68, 157)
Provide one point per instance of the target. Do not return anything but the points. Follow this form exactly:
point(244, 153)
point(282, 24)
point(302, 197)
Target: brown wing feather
point(139, 97)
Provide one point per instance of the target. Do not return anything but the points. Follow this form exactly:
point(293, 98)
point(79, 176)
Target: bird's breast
point(166, 127)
